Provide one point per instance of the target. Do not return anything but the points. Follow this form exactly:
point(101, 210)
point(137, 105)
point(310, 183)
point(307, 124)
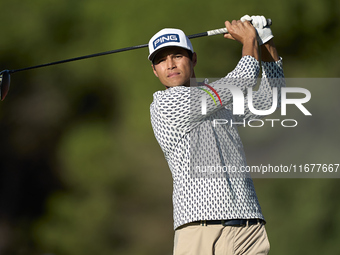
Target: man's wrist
point(250, 48)
point(269, 52)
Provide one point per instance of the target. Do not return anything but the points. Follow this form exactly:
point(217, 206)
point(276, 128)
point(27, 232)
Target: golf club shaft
point(80, 58)
point(208, 33)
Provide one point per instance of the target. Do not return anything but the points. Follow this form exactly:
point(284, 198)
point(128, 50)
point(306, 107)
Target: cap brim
point(152, 56)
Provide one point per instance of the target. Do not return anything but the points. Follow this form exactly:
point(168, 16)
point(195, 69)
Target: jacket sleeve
point(218, 94)
point(261, 100)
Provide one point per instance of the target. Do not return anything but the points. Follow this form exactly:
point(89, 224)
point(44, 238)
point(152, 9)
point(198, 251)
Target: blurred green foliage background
point(80, 169)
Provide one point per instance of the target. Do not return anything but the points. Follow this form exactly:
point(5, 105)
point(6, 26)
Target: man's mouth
point(171, 75)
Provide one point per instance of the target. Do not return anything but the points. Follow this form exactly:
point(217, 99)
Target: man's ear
point(194, 59)
point(154, 70)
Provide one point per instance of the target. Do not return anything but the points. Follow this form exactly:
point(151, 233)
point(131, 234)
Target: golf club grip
point(224, 30)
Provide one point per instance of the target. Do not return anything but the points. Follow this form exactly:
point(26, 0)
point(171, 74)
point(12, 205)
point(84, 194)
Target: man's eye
point(159, 61)
point(179, 56)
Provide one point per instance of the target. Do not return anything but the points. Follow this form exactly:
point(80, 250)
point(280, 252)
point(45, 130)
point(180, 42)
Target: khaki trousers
point(221, 240)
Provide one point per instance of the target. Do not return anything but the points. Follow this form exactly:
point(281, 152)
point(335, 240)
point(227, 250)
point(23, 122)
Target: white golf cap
point(168, 37)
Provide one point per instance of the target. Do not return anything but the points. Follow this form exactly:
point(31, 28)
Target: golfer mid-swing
point(217, 213)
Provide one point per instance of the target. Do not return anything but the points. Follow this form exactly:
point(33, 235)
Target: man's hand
point(264, 37)
point(244, 33)
point(240, 31)
point(263, 30)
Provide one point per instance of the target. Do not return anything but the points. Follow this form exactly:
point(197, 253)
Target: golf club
point(6, 78)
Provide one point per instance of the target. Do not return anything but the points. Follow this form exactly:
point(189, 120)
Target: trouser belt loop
point(203, 223)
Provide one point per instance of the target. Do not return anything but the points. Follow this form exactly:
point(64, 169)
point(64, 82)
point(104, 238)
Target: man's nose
point(170, 62)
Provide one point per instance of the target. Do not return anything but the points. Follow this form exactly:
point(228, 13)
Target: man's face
point(173, 67)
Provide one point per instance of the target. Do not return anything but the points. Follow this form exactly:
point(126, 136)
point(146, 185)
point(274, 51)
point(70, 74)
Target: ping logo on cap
point(165, 39)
